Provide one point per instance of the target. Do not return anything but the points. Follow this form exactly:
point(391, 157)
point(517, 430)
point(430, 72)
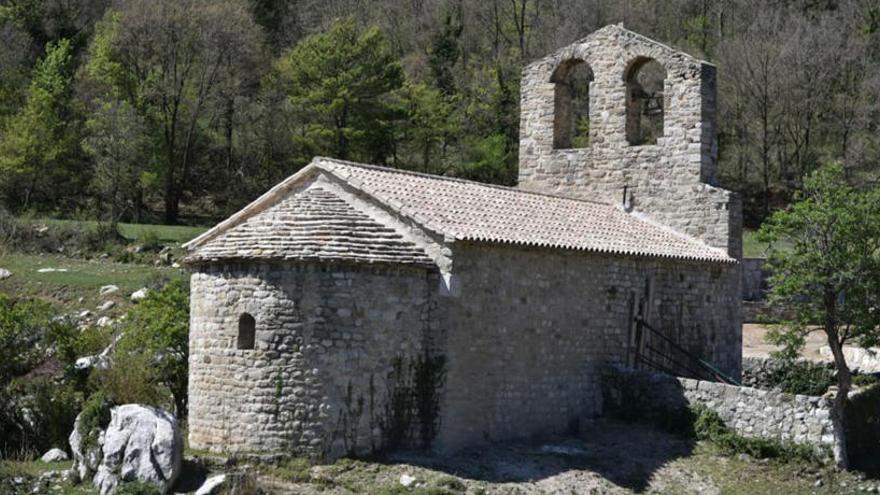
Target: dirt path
point(754, 344)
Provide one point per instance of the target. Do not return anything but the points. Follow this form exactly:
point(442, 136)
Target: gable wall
point(529, 331)
point(669, 181)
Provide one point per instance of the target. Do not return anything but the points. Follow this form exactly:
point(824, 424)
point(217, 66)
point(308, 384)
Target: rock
point(84, 314)
point(407, 480)
point(139, 295)
point(818, 483)
point(140, 443)
point(211, 485)
point(108, 290)
point(106, 305)
point(175, 265)
point(101, 361)
point(104, 321)
point(4, 273)
point(166, 257)
point(85, 457)
point(137, 248)
point(744, 457)
point(54, 455)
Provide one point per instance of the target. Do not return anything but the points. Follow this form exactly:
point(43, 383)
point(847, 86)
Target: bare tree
point(184, 62)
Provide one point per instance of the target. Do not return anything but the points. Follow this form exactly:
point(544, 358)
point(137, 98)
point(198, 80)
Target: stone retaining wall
point(749, 411)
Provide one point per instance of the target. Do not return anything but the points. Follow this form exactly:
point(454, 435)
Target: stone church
point(354, 307)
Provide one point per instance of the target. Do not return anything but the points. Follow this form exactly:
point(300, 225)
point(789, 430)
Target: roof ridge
point(464, 181)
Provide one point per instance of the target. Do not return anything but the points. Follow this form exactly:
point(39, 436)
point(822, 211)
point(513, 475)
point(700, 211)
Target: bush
point(131, 379)
point(864, 380)
point(95, 417)
point(26, 330)
point(138, 488)
point(803, 377)
point(150, 362)
point(709, 426)
point(70, 238)
point(36, 416)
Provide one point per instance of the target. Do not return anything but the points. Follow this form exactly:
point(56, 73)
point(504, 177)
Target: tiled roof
point(314, 224)
point(478, 212)
point(455, 208)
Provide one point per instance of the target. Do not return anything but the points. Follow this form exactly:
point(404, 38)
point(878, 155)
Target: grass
point(753, 248)
point(132, 231)
point(83, 278)
point(735, 476)
point(31, 470)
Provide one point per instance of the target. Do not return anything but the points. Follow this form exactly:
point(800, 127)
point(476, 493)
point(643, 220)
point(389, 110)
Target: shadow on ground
point(626, 454)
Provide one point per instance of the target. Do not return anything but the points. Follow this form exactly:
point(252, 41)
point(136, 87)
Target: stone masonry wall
point(754, 276)
point(749, 411)
point(529, 331)
point(672, 181)
point(326, 338)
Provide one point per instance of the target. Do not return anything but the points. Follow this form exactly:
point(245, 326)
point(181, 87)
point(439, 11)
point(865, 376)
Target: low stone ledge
point(749, 411)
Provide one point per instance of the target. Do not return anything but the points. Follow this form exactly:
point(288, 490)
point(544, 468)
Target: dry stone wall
point(327, 337)
point(750, 411)
point(671, 181)
point(530, 330)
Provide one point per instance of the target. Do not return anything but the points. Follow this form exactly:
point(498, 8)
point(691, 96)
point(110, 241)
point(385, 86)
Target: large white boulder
point(141, 443)
point(4, 273)
point(54, 455)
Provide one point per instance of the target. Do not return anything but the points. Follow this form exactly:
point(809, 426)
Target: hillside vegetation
point(182, 111)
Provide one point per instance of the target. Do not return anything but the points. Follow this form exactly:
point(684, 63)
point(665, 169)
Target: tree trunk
point(840, 403)
point(838, 412)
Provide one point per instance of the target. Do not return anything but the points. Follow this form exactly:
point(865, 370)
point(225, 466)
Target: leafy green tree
point(825, 260)
point(431, 125)
point(118, 143)
point(445, 52)
point(341, 81)
point(488, 160)
point(36, 141)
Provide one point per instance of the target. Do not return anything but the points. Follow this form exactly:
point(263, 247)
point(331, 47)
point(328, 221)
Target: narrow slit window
point(645, 104)
point(247, 329)
point(571, 117)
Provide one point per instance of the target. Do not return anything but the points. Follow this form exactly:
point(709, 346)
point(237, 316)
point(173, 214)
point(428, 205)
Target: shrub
point(36, 416)
point(25, 330)
point(864, 380)
point(150, 363)
point(95, 416)
point(138, 488)
point(709, 426)
point(803, 377)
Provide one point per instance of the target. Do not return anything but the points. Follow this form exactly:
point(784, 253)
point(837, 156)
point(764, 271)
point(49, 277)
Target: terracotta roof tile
point(478, 212)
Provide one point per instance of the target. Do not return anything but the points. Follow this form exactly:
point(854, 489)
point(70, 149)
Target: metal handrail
point(694, 365)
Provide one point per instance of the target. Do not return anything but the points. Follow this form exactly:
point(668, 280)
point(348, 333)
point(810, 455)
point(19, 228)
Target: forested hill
point(184, 110)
